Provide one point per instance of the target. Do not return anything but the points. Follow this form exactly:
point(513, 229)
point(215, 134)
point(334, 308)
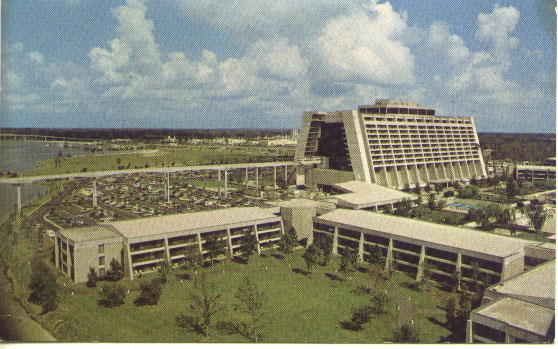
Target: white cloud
point(35, 57)
point(366, 47)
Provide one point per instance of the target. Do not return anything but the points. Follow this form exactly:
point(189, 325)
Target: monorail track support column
point(94, 192)
point(19, 198)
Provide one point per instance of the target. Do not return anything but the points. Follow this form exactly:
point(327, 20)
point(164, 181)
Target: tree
point(192, 259)
point(512, 189)
point(376, 255)
point(92, 278)
point(215, 246)
point(118, 160)
point(310, 256)
point(469, 191)
point(204, 304)
point(537, 216)
point(379, 301)
point(112, 295)
point(405, 334)
point(432, 201)
point(359, 316)
point(404, 208)
point(248, 245)
point(116, 271)
point(457, 314)
point(164, 271)
point(150, 292)
point(252, 303)
point(417, 189)
point(43, 288)
point(324, 244)
point(349, 259)
point(288, 241)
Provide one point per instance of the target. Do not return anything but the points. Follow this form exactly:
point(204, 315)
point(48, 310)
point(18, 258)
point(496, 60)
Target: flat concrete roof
point(519, 314)
point(440, 234)
point(539, 282)
point(369, 194)
point(136, 228)
point(92, 233)
point(536, 168)
point(301, 203)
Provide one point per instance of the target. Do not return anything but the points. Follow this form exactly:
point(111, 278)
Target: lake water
point(20, 157)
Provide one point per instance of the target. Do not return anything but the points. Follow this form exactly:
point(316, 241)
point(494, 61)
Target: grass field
point(167, 156)
point(301, 309)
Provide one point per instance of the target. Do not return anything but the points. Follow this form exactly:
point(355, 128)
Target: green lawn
point(168, 156)
point(302, 309)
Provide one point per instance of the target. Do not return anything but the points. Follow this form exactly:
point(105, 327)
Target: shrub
point(449, 194)
point(150, 292)
point(112, 295)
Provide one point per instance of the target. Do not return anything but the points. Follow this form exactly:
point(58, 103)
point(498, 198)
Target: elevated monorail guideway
point(20, 181)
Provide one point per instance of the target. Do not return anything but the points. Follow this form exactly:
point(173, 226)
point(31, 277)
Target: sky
point(260, 64)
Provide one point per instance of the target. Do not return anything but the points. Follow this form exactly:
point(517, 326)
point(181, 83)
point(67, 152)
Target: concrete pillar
point(226, 185)
point(69, 259)
point(19, 198)
point(427, 174)
point(397, 177)
point(388, 182)
point(408, 176)
point(257, 238)
point(168, 187)
point(467, 168)
point(335, 240)
point(392, 207)
point(475, 169)
point(200, 245)
point(229, 242)
point(274, 177)
point(421, 262)
point(453, 177)
point(361, 248)
point(94, 193)
point(246, 178)
point(128, 261)
point(286, 177)
point(257, 179)
point(469, 332)
point(389, 255)
point(219, 185)
point(508, 339)
point(167, 251)
point(417, 173)
point(458, 271)
point(56, 251)
point(460, 171)
point(444, 170)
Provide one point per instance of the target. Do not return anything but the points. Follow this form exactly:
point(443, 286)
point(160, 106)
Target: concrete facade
point(141, 244)
point(394, 143)
point(449, 251)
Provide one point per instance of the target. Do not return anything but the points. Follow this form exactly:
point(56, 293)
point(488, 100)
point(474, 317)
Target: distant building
point(141, 244)
point(533, 173)
point(519, 310)
point(392, 143)
point(549, 162)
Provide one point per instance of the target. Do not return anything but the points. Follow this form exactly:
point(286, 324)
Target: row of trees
point(206, 302)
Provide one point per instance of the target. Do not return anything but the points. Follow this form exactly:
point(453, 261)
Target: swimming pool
point(461, 206)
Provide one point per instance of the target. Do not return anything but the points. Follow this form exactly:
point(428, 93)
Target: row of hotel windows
point(413, 120)
point(440, 260)
point(394, 110)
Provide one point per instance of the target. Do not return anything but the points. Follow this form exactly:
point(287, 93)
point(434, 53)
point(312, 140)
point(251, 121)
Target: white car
point(50, 233)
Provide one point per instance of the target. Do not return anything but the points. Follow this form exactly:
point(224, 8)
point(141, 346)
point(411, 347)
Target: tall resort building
point(392, 143)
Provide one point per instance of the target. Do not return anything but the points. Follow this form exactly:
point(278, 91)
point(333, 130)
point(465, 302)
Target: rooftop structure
point(533, 173)
point(458, 239)
point(393, 143)
point(142, 227)
point(519, 310)
point(362, 195)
